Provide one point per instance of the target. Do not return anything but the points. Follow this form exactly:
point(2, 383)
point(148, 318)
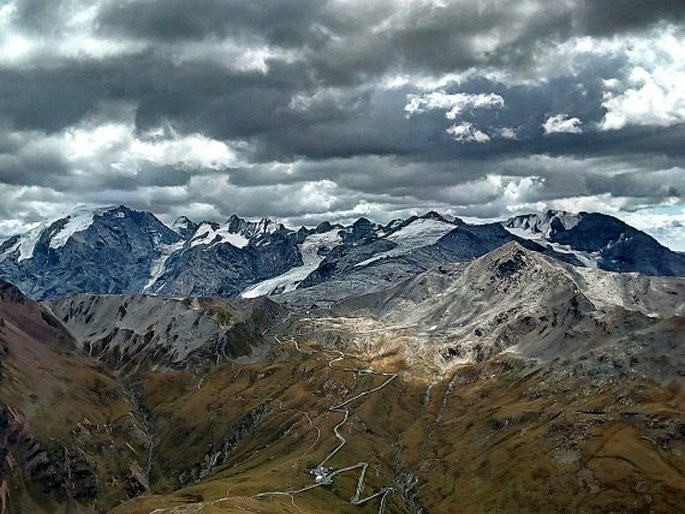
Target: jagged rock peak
point(545, 222)
point(509, 259)
point(448, 218)
point(184, 226)
point(250, 229)
point(326, 226)
point(361, 222)
point(182, 221)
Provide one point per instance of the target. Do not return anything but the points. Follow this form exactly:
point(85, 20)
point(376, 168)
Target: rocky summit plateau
point(428, 365)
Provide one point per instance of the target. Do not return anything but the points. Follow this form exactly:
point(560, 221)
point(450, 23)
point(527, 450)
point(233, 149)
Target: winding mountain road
point(323, 475)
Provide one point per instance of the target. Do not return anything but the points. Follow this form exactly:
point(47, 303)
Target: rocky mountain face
point(517, 301)
point(599, 241)
point(106, 250)
point(133, 332)
point(120, 251)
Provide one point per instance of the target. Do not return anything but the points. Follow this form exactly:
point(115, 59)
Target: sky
point(305, 110)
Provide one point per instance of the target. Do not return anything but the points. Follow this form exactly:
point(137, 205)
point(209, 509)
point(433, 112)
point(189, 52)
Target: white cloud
point(562, 124)
point(667, 224)
point(194, 150)
point(77, 39)
point(654, 92)
point(453, 104)
point(656, 98)
point(231, 54)
point(507, 133)
point(467, 133)
point(96, 148)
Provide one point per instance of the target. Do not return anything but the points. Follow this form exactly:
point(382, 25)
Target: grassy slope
point(63, 400)
point(537, 443)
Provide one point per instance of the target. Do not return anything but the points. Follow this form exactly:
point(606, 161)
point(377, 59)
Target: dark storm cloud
point(42, 15)
point(600, 17)
point(347, 41)
point(345, 44)
point(206, 97)
point(48, 100)
point(227, 105)
point(281, 22)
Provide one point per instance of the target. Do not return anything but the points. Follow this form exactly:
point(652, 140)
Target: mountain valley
point(426, 366)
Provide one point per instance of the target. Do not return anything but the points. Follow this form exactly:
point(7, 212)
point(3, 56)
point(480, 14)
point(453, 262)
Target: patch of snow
point(27, 243)
point(76, 222)
point(181, 223)
point(284, 283)
point(542, 223)
point(206, 234)
point(422, 231)
point(587, 259)
point(79, 220)
point(419, 233)
point(392, 226)
point(158, 266)
point(266, 226)
point(289, 280)
point(236, 240)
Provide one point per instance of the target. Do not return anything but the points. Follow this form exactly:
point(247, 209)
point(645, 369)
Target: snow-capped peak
point(60, 229)
point(542, 223)
point(312, 255)
point(184, 226)
point(422, 231)
point(541, 229)
point(182, 222)
point(252, 229)
point(212, 233)
point(266, 226)
point(76, 222)
point(412, 234)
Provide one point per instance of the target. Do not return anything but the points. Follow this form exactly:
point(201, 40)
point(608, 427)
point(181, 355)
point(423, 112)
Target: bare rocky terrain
point(133, 332)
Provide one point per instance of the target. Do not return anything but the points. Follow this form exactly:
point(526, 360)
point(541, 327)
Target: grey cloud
point(599, 17)
point(345, 43)
point(49, 100)
point(207, 98)
point(280, 22)
point(43, 16)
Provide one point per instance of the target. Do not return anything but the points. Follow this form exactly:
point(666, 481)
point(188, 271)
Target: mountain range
point(122, 251)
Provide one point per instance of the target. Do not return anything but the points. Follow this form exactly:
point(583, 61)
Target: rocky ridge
point(132, 332)
point(69, 437)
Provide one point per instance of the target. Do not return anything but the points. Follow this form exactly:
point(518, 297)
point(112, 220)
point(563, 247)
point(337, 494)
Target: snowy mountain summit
point(598, 241)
